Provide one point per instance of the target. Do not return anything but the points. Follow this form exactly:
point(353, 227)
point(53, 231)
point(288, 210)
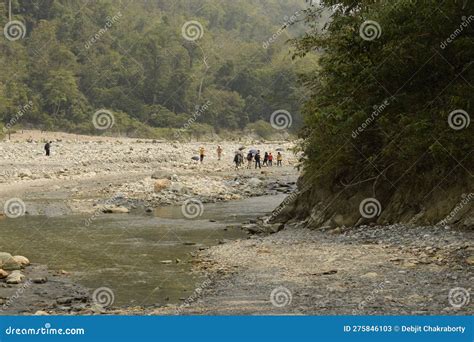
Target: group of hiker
point(253, 157)
point(256, 158)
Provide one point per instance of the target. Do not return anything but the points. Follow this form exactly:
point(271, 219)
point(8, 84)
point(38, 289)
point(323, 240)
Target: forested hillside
point(143, 61)
point(390, 111)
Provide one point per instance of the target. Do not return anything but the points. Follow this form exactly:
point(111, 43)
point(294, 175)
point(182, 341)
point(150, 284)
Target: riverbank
point(369, 270)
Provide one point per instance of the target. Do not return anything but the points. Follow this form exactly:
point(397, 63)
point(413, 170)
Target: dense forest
point(140, 61)
point(390, 106)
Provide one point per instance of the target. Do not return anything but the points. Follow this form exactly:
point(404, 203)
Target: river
point(124, 252)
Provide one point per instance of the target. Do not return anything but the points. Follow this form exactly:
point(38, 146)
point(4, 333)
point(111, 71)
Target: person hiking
point(265, 159)
point(47, 148)
point(219, 152)
point(257, 160)
point(201, 154)
point(279, 159)
point(270, 159)
point(237, 160)
point(249, 160)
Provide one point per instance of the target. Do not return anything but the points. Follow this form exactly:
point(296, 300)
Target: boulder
point(40, 280)
point(3, 274)
point(161, 184)
point(254, 182)
point(252, 228)
point(8, 263)
point(16, 277)
point(179, 188)
point(25, 173)
point(23, 261)
point(159, 175)
point(116, 210)
point(470, 260)
point(4, 257)
point(11, 265)
point(41, 313)
point(370, 275)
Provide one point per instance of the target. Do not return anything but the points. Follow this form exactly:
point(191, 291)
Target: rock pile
point(10, 268)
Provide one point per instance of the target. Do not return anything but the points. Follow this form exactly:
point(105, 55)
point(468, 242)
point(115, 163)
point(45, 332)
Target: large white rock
point(16, 277)
point(5, 257)
point(23, 261)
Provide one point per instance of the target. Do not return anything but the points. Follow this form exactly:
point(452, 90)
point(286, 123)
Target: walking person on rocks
point(249, 160)
point(238, 158)
point(265, 159)
point(270, 159)
point(201, 154)
point(257, 160)
point(47, 148)
point(279, 159)
point(219, 152)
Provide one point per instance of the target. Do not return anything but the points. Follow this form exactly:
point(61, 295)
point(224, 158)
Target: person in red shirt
point(270, 159)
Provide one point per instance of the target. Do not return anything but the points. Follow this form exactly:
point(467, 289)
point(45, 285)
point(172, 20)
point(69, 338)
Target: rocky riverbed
point(31, 288)
point(85, 173)
point(96, 175)
point(369, 270)
point(277, 269)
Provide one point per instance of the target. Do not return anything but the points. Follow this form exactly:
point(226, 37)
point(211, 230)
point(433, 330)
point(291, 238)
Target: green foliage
point(131, 58)
point(407, 66)
point(261, 128)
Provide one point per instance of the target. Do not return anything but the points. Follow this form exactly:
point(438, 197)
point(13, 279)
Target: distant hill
point(152, 64)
